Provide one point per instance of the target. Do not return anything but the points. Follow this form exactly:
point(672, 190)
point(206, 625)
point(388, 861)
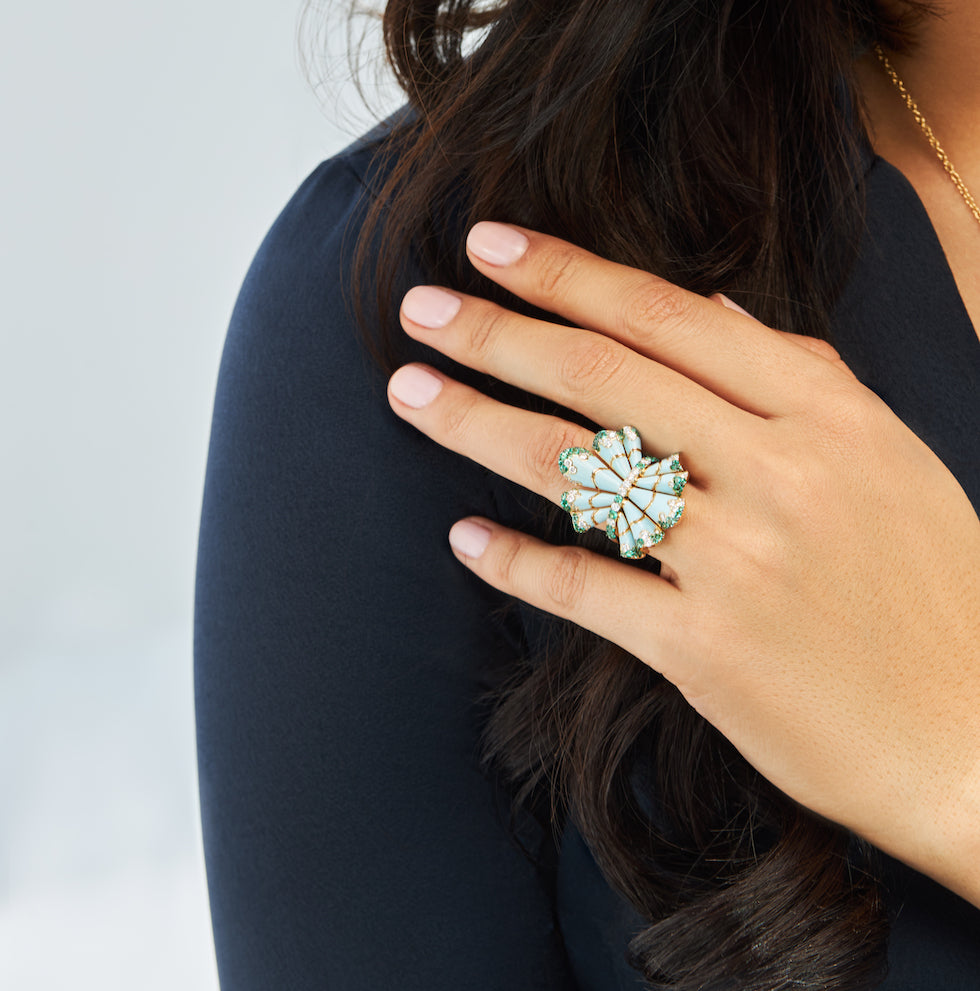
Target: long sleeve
point(351, 840)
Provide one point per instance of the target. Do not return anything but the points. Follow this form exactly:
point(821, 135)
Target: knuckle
point(846, 418)
point(768, 551)
point(801, 482)
point(505, 564)
point(484, 331)
point(458, 422)
point(592, 368)
point(541, 454)
point(816, 345)
point(789, 473)
point(823, 348)
point(566, 579)
point(556, 267)
point(756, 546)
point(653, 305)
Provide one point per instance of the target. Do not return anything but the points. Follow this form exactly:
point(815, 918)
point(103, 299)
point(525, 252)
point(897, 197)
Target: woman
point(763, 771)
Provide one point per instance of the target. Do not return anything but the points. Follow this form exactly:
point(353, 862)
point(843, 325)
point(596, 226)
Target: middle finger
point(582, 370)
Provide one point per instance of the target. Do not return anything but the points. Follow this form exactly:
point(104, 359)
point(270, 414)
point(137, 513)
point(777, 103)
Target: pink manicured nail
point(469, 538)
point(414, 386)
point(429, 306)
point(731, 304)
point(496, 244)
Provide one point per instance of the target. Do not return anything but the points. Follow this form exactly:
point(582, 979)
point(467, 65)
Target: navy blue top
point(351, 840)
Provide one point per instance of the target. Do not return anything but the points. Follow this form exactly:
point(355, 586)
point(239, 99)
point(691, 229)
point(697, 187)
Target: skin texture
point(820, 598)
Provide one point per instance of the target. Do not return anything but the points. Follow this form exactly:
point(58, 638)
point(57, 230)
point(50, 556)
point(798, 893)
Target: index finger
point(732, 354)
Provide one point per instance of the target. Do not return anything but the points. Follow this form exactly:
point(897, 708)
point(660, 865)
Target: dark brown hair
point(716, 144)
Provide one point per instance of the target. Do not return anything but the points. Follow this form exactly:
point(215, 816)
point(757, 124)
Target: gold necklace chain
point(927, 130)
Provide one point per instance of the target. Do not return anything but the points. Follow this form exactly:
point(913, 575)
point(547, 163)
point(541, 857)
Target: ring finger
point(517, 444)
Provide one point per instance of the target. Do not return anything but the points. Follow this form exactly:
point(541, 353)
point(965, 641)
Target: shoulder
point(294, 353)
point(329, 202)
point(296, 293)
point(307, 462)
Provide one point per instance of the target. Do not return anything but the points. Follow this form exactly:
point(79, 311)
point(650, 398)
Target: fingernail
point(469, 538)
point(414, 386)
point(731, 304)
point(429, 306)
point(496, 244)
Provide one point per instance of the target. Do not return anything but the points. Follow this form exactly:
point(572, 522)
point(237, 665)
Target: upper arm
point(339, 651)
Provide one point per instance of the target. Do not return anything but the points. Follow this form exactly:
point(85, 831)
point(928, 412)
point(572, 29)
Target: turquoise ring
point(635, 499)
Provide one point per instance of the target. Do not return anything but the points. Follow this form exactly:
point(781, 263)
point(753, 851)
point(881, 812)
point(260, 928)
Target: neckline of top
point(918, 212)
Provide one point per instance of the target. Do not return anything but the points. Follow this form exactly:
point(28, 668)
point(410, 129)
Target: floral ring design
point(634, 498)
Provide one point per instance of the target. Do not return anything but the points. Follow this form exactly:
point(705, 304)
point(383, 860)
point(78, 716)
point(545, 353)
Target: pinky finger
point(631, 607)
point(814, 344)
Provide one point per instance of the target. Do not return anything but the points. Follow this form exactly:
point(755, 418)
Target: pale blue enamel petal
point(666, 509)
point(631, 512)
point(581, 500)
point(621, 465)
point(572, 458)
point(579, 465)
point(591, 518)
point(627, 543)
point(597, 517)
point(631, 444)
point(658, 505)
point(670, 484)
point(646, 533)
point(641, 498)
point(608, 444)
point(607, 480)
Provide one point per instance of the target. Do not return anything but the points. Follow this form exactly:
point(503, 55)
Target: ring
point(617, 489)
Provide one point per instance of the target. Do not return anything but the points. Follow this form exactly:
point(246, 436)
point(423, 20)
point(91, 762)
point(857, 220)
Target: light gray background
point(146, 150)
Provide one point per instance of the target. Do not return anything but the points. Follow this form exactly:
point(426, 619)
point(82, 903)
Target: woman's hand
point(819, 602)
